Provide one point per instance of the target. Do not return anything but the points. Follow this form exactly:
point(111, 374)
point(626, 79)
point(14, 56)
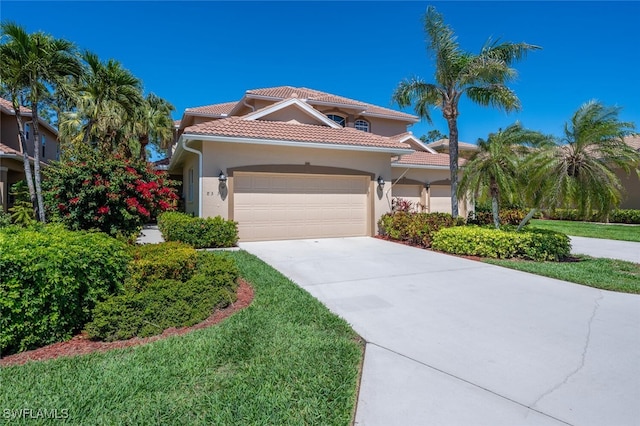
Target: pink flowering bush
point(111, 194)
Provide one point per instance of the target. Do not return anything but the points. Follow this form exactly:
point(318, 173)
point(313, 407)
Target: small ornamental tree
point(111, 194)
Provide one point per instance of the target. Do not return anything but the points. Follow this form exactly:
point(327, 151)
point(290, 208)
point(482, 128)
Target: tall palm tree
point(579, 171)
point(481, 77)
point(108, 96)
point(494, 169)
point(33, 63)
point(154, 124)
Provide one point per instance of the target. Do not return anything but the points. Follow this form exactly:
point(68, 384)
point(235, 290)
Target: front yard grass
point(283, 360)
point(606, 274)
point(592, 230)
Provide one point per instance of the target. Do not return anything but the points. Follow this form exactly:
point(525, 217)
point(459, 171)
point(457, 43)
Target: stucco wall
point(9, 137)
point(223, 156)
point(631, 183)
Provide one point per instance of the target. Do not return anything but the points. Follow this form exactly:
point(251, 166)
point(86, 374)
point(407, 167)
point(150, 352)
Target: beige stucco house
point(290, 162)
point(630, 181)
point(11, 159)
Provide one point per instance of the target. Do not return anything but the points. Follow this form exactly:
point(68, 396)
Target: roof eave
point(409, 119)
point(302, 144)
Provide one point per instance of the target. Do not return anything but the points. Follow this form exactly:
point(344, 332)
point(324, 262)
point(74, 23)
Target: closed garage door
point(440, 198)
point(412, 193)
point(275, 206)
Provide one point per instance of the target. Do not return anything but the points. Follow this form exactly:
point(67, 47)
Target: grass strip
point(283, 360)
point(606, 274)
point(591, 230)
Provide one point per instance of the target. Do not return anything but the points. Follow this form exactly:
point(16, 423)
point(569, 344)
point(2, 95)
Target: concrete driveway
point(456, 342)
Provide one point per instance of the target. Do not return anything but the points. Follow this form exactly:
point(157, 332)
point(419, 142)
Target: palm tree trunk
point(453, 163)
point(144, 141)
point(87, 132)
point(527, 218)
point(495, 202)
point(25, 159)
point(37, 176)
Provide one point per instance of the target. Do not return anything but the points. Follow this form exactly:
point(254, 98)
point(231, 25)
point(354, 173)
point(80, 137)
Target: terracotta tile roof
point(633, 141)
point(4, 149)
point(419, 158)
point(216, 109)
point(282, 131)
point(311, 95)
point(6, 104)
point(445, 143)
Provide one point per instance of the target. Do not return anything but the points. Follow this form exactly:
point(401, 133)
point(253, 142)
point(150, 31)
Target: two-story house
point(291, 162)
point(11, 158)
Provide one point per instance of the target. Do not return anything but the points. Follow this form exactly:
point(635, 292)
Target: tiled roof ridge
point(7, 104)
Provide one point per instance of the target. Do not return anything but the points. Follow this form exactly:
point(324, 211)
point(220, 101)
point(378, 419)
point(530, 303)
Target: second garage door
point(279, 206)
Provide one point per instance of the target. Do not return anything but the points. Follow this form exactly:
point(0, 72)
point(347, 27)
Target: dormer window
point(338, 119)
point(362, 125)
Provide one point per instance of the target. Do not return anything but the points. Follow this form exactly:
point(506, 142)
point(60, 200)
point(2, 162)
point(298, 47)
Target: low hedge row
point(507, 217)
point(415, 228)
point(502, 244)
point(154, 306)
point(50, 281)
point(615, 216)
point(198, 232)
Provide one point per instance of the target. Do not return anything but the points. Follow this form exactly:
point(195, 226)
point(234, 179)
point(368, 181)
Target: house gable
point(293, 111)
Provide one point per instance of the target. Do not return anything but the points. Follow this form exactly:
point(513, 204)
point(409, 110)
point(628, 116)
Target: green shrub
point(112, 194)
point(494, 243)
point(5, 219)
point(507, 217)
point(625, 216)
point(50, 280)
point(198, 232)
point(415, 228)
point(153, 262)
point(167, 303)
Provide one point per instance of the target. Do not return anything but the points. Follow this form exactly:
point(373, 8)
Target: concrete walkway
point(598, 247)
point(150, 235)
point(456, 342)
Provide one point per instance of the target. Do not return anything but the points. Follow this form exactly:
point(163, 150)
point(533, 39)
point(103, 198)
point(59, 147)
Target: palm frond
point(422, 94)
point(494, 95)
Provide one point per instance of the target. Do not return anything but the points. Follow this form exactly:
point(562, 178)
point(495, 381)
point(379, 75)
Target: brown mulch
point(81, 345)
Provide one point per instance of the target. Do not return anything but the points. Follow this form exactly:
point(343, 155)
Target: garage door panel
point(287, 206)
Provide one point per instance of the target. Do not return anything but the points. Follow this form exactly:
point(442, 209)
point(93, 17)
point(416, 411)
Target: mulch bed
point(81, 345)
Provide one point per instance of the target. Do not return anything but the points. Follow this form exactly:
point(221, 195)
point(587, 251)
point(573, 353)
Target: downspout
point(248, 106)
point(199, 154)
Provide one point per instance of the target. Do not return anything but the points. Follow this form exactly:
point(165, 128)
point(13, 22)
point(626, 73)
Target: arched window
point(338, 119)
point(362, 125)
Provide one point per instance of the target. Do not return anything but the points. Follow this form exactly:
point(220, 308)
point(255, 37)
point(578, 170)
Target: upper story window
point(338, 119)
point(44, 146)
point(362, 125)
point(26, 131)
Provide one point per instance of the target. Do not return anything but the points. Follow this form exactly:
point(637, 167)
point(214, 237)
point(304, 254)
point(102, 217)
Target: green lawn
point(283, 360)
point(593, 230)
point(606, 274)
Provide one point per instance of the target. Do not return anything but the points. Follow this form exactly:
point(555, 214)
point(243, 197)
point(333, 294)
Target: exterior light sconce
point(380, 181)
point(222, 178)
point(427, 185)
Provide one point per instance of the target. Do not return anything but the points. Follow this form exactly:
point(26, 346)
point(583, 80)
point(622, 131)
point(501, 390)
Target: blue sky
point(205, 52)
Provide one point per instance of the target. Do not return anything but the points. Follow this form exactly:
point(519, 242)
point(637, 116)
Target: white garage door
point(279, 206)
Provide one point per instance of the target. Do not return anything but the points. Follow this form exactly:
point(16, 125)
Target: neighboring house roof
point(216, 110)
point(444, 143)
point(633, 141)
point(236, 127)
point(422, 159)
point(417, 144)
point(7, 107)
point(4, 149)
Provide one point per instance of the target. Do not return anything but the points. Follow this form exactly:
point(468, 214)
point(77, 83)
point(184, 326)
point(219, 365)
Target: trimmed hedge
point(153, 262)
point(50, 280)
point(168, 303)
point(615, 216)
point(198, 232)
point(415, 228)
point(507, 217)
point(494, 243)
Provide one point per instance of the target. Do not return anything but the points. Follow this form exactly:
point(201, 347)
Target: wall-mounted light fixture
point(427, 185)
point(222, 177)
point(380, 181)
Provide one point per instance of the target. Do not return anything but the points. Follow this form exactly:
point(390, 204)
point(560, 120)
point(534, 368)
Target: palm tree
point(109, 95)
point(579, 171)
point(154, 124)
point(33, 63)
point(481, 77)
point(494, 169)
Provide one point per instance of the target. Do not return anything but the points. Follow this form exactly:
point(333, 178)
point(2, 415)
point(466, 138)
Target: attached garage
point(279, 206)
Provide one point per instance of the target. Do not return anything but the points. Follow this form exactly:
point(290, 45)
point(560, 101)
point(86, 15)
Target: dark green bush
point(615, 216)
point(496, 243)
point(198, 232)
point(50, 280)
point(168, 303)
point(415, 228)
point(625, 216)
point(153, 262)
point(507, 217)
point(5, 219)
